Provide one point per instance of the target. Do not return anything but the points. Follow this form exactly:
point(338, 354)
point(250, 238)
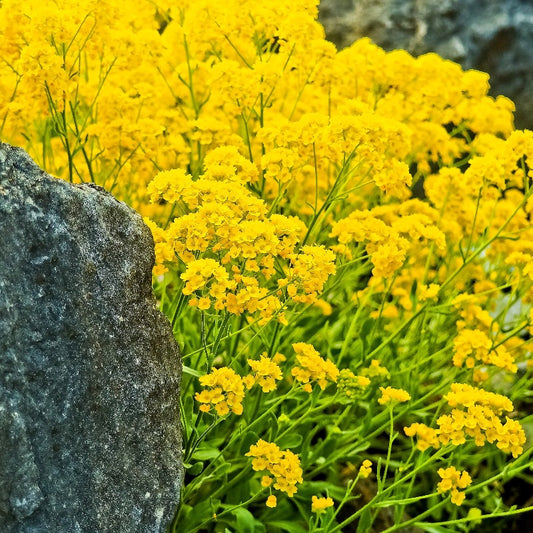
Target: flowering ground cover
point(344, 249)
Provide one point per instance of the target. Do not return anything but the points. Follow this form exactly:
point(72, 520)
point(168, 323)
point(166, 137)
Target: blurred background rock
point(495, 36)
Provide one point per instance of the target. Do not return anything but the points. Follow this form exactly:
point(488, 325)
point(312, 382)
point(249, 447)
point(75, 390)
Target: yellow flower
point(278, 358)
point(429, 292)
point(365, 469)
point(265, 372)
point(169, 185)
point(388, 257)
point(225, 163)
point(284, 466)
point(266, 481)
point(313, 367)
point(247, 112)
point(453, 480)
point(477, 413)
point(458, 497)
point(164, 251)
point(426, 436)
point(204, 303)
point(272, 501)
point(309, 272)
point(473, 344)
point(200, 272)
point(319, 505)
point(393, 396)
point(324, 306)
point(224, 390)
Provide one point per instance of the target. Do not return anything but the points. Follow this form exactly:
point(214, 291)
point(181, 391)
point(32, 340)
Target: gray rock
point(495, 36)
point(89, 369)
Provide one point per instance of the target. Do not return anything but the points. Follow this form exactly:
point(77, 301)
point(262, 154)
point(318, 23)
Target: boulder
point(89, 370)
point(495, 36)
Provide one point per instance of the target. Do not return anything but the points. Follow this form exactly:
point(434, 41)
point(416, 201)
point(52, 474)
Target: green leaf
point(365, 522)
point(205, 453)
point(290, 527)
point(191, 371)
point(202, 511)
point(366, 328)
point(250, 438)
point(414, 287)
point(245, 520)
point(195, 468)
point(184, 513)
point(290, 441)
point(187, 408)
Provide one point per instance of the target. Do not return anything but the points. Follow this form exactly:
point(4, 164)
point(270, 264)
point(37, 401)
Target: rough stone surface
point(89, 370)
point(495, 36)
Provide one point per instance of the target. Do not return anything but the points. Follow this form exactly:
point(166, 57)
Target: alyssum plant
point(343, 245)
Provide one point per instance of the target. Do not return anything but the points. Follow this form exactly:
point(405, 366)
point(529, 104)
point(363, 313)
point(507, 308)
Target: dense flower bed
point(343, 247)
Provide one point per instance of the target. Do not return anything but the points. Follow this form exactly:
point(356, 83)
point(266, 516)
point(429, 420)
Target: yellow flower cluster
point(308, 272)
point(453, 480)
point(473, 342)
point(426, 436)
point(428, 292)
point(257, 79)
point(393, 396)
point(319, 505)
point(391, 234)
point(365, 469)
point(272, 501)
point(224, 390)
point(473, 345)
point(258, 103)
point(475, 413)
point(312, 367)
point(284, 466)
point(240, 243)
point(201, 272)
point(265, 372)
point(489, 199)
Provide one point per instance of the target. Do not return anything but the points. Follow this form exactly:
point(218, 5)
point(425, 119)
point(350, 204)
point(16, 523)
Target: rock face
point(89, 370)
point(495, 36)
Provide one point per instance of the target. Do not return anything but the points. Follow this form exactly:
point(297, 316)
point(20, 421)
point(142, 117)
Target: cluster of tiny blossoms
point(265, 372)
point(225, 223)
point(319, 505)
point(366, 468)
point(478, 339)
point(283, 466)
point(311, 367)
point(390, 395)
point(224, 390)
point(475, 413)
point(453, 480)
